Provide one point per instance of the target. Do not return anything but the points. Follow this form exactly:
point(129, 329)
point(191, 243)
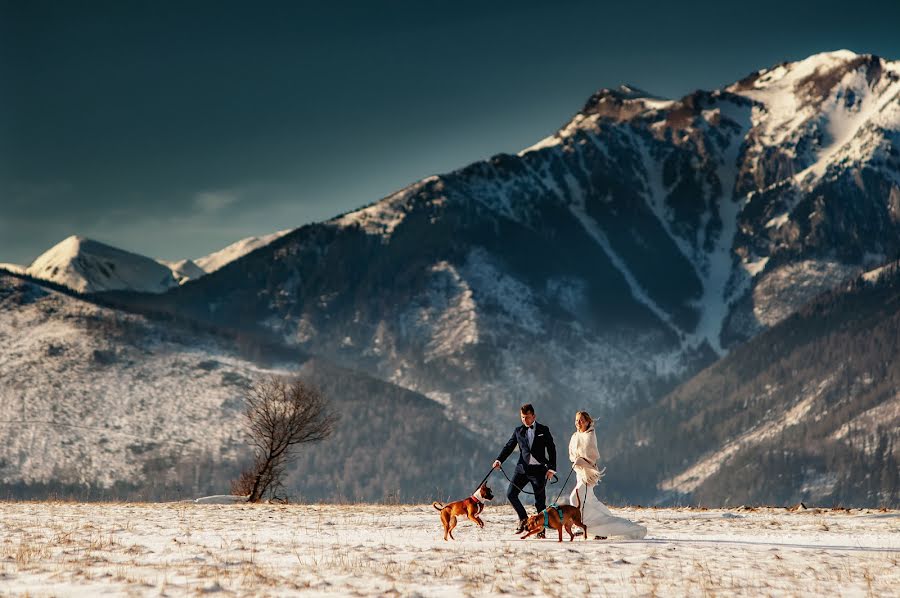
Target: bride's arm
point(592, 454)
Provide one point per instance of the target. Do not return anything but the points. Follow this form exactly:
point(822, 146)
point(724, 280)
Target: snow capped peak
point(89, 266)
point(184, 270)
point(788, 75)
point(829, 109)
point(822, 59)
point(238, 249)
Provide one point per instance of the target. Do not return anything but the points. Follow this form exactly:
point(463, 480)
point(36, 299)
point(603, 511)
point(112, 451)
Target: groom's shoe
point(521, 527)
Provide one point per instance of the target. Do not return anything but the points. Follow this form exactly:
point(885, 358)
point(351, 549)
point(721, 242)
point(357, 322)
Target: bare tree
point(281, 414)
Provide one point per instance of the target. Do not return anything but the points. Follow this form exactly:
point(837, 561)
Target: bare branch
point(281, 414)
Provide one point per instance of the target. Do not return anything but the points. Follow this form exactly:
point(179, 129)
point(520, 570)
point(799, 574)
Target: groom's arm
point(551, 451)
point(508, 449)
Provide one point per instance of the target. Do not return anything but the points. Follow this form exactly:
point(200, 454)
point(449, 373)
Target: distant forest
point(839, 354)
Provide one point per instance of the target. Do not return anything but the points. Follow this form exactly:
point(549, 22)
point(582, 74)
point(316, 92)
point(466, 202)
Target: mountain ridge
point(625, 252)
point(89, 266)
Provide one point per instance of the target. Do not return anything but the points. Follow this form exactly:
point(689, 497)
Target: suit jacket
point(543, 449)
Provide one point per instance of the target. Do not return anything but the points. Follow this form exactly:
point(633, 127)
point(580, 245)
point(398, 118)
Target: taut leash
point(556, 479)
point(564, 484)
point(484, 479)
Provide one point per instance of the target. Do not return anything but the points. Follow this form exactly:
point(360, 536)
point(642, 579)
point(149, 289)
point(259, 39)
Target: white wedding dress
point(598, 519)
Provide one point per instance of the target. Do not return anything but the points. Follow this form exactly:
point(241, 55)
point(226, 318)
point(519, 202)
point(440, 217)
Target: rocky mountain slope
point(604, 264)
point(807, 411)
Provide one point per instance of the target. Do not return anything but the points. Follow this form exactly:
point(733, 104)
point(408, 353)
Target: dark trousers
point(536, 475)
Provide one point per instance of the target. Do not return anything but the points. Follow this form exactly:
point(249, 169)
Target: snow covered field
point(76, 549)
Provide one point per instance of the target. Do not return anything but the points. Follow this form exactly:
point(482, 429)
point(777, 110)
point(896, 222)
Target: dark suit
point(544, 452)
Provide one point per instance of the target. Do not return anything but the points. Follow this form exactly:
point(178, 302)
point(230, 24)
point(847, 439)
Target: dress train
point(598, 518)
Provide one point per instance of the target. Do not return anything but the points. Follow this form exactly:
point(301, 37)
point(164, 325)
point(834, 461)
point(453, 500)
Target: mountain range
point(89, 266)
point(599, 269)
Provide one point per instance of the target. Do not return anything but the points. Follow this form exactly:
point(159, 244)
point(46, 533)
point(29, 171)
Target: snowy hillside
point(92, 397)
point(95, 402)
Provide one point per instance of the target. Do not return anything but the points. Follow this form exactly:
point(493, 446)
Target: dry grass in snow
point(173, 549)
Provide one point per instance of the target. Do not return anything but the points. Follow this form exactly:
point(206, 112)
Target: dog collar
point(477, 498)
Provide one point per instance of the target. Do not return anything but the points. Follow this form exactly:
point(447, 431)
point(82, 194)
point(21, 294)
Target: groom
point(537, 462)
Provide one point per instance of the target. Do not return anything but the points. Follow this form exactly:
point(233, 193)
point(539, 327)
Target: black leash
point(484, 479)
point(564, 484)
point(555, 479)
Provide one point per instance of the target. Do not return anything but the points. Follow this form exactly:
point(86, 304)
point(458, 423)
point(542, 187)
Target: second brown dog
point(550, 517)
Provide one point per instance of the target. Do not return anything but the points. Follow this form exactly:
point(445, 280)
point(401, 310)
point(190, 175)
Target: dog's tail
point(438, 506)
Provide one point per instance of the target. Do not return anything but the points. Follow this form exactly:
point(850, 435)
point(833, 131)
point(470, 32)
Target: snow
point(89, 266)
point(15, 268)
point(848, 119)
point(220, 499)
point(844, 123)
point(783, 111)
point(177, 549)
point(754, 266)
point(715, 303)
point(778, 221)
point(579, 122)
point(184, 270)
point(637, 291)
point(495, 288)
point(382, 217)
point(779, 292)
point(885, 416)
point(713, 268)
point(214, 261)
point(657, 104)
point(445, 314)
point(655, 196)
point(873, 275)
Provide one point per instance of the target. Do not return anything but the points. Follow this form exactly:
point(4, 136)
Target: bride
point(583, 454)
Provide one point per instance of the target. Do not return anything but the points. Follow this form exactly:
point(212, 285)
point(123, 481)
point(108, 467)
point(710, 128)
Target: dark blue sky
point(174, 128)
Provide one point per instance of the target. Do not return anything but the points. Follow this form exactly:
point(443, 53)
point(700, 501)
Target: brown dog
point(550, 517)
point(470, 507)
